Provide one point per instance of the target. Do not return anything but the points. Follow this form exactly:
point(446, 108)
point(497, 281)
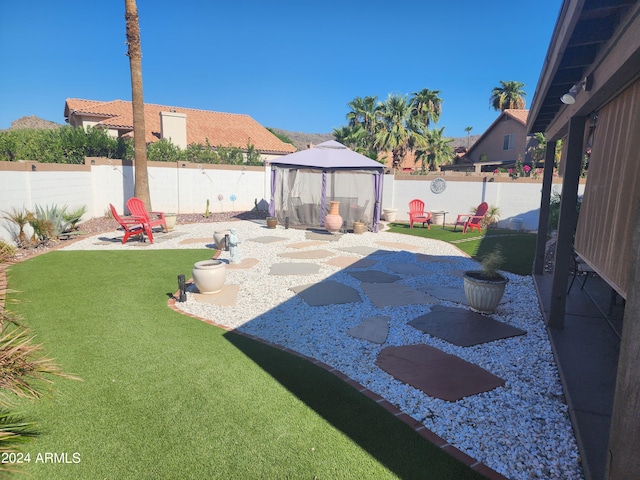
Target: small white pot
point(390, 214)
point(209, 275)
point(218, 238)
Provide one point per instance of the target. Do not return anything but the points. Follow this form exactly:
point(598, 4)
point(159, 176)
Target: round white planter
point(483, 295)
point(390, 214)
point(218, 238)
point(209, 275)
point(170, 218)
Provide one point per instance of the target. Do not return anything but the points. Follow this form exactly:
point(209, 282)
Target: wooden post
point(543, 220)
point(624, 437)
point(567, 221)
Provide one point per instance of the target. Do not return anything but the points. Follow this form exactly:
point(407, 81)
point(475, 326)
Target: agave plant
point(72, 218)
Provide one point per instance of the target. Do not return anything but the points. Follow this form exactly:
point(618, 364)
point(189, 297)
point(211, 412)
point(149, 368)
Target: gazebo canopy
point(330, 154)
point(303, 183)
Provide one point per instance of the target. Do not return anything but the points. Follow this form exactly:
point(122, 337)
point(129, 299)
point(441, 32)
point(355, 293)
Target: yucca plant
point(20, 218)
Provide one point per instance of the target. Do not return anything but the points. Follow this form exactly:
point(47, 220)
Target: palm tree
point(426, 107)
point(468, 130)
point(435, 150)
point(363, 112)
point(393, 133)
point(508, 95)
point(141, 187)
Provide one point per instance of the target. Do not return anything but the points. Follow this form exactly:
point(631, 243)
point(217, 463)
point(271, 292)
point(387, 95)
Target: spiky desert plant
point(19, 216)
point(72, 218)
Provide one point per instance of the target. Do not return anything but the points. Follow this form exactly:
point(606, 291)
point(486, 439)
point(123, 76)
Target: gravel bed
point(521, 430)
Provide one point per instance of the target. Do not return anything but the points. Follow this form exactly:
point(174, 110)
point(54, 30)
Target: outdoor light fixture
point(33, 167)
point(183, 288)
point(569, 98)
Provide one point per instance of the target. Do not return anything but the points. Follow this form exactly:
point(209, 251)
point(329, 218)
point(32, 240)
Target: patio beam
point(567, 221)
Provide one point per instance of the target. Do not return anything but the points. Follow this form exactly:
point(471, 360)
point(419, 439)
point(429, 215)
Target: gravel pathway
point(521, 430)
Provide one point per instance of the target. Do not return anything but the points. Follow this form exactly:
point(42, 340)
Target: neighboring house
point(183, 126)
point(500, 145)
point(593, 64)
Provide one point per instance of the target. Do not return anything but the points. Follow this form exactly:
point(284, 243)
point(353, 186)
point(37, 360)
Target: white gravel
point(521, 430)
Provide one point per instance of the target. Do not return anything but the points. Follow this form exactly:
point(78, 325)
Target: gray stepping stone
point(375, 276)
point(463, 327)
point(267, 239)
point(454, 294)
point(374, 329)
point(423, 257)
point(450, 294)
point(363, 250)
point(325, 236)
point(395, 295)
point(294, 269)
point(328, 292)
point(351, 262)
point(307, 254)
point(408, 269)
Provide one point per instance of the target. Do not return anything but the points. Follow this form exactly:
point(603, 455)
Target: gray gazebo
point(303, 183)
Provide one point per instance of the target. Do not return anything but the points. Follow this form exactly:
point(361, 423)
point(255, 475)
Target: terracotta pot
point(483, 294)
point(272, 222)
point(218, 238)
point(358, 227)
point(209, 275)
point(333, 220)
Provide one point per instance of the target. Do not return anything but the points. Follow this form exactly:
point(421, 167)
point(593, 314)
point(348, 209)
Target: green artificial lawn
point(164, 395)
point(518, 248)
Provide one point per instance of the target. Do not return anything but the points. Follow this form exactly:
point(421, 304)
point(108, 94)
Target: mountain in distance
point(302, 140)
point(33, 122)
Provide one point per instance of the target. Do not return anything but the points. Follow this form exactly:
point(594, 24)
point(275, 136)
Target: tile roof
point(518, 114)
point(219, 128)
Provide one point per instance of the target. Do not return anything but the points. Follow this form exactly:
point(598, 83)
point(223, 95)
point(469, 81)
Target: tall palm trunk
point(141, 182)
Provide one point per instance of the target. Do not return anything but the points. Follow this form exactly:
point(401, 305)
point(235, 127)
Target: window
point(509, 142)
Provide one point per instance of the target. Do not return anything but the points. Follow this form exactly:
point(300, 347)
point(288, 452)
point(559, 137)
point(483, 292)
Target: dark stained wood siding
point(610, 205)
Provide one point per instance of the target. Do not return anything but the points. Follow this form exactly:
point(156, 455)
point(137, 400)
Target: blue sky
point(288, 64)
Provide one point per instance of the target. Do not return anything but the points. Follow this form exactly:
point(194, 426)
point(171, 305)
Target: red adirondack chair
point(417, 213)
point(472, 221)
point(153, 219)
point(132, 226)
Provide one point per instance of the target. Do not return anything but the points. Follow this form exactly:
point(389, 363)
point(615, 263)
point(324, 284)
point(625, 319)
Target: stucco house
point(183, 126)
point(500, 145)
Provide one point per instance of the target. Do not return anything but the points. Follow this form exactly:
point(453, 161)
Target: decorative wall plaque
point(438, 185)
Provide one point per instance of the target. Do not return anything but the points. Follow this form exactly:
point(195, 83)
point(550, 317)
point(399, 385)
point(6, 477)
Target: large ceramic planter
point(390, 214)
point(333, 220)
point(170, 218)
point(218, 238)
point(483, 295)
point(209, 275)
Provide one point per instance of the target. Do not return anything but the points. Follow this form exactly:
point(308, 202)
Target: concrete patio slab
point(463, 327)
point(394, 295)
point(305, 244)
point(375, 276)
point(374, 329)
point(324, 236)
point(307, 254)
point(267, 239)
point(421, 257)
point(294, 269)
point(327, 292)
point(436, 373)
point(224, 298)
point(244, 264)
point(399, 246)
point(364, 250)
point(351, 262)
point(408, 269)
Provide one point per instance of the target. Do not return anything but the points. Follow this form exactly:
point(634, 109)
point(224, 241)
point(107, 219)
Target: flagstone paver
point(394, 295)
point(267, 239)
point(328, 292)
point(400, 246)
point(408, 269)
point(244, 264)
point(225, 298)
point(351, 262)
point(375, 276)
point(307, 254)
point(294, 269)
point(306, 244)
point(364, 250)
point(374, 329)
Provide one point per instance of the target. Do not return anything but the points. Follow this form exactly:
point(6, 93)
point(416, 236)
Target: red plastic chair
point(132, 226)
point(472, 221)
point(417, 214)
point(137, 209)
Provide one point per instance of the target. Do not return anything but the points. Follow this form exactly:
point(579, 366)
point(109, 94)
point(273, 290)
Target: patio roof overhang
point(594, 39)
